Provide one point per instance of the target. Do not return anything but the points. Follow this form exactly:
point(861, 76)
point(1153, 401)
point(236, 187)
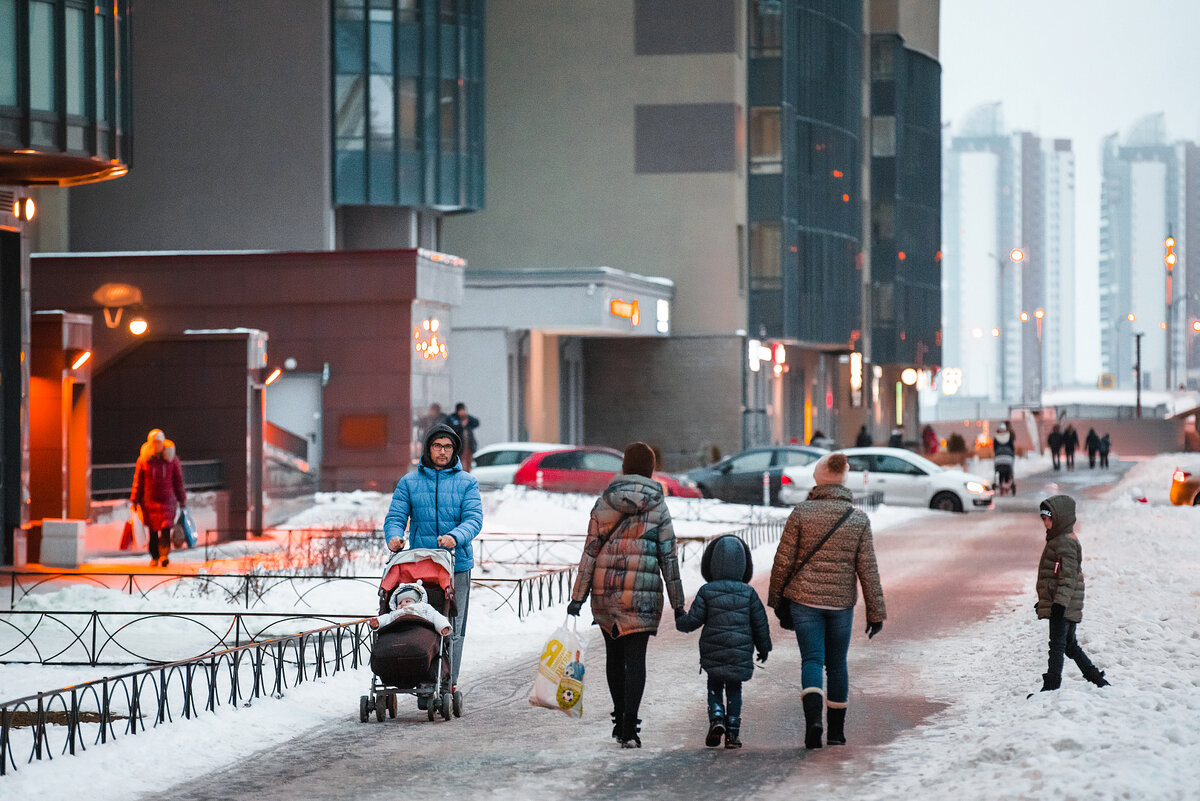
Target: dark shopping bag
point(126, 536)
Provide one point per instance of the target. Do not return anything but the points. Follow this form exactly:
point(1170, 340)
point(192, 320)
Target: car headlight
point(976, 488)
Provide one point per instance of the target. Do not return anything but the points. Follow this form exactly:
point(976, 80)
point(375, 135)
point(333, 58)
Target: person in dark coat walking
point(1070, 444)
point(1060, 591)
point(734, 627)
point(1055, 441)
point(464, 426)
point(863, 440)
point(1092, 443)
point(158, 494)
point(1105, 447)
point(630, 543)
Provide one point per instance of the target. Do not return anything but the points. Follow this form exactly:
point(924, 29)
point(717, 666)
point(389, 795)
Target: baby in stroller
point(410, 648)
point(411, 602)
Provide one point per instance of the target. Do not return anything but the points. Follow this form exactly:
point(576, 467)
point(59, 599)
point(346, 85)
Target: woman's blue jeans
point(824, 639)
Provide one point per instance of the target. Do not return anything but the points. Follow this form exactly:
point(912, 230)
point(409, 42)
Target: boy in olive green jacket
point(1060, 591)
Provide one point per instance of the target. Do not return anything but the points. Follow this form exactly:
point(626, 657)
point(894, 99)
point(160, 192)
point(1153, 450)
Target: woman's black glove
point(874, 628)
point(574, 607)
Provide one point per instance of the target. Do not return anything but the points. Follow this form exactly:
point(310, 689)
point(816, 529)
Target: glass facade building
point(408, 103)
point(805, 124)
point(905, 204)
point(64, 91)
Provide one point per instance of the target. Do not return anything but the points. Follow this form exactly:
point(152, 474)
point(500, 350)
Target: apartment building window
point(766, 28)
point(766, 255)
point(766, 151)
point(883, 136)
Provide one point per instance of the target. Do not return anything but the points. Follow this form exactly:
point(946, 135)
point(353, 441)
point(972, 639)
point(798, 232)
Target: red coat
point(157, 487)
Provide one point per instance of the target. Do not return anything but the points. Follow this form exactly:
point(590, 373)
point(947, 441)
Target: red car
point(588, 470)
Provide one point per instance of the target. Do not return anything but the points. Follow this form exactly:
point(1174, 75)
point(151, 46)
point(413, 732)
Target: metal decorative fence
point(140, 638)
point(72, 719)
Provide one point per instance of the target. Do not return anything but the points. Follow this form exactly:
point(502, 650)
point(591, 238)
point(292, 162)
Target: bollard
point(539, 479)
point(766, 488)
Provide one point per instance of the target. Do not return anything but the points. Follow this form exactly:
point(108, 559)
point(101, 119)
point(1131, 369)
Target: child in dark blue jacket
point(735, 625)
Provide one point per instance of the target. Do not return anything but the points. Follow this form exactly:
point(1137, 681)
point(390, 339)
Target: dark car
point(739, 478)
point(587, 470)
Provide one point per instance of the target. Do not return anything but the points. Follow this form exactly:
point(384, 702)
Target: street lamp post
point(1038, 316)
point(1137, 373)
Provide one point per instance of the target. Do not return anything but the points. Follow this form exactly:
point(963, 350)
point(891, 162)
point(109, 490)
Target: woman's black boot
point(813, 703)
point(836, 719)
point(629, 735)
point(616, 719)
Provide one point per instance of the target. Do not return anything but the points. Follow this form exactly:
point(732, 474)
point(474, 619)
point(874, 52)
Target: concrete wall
point(562, 189)
point(637, 389)
point(231, 132)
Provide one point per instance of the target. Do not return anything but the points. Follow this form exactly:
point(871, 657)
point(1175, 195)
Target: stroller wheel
point(431, 708)
point(445, 706)
point(456, 703)
point(391, 705)
point(380, 707)
point(364, 711)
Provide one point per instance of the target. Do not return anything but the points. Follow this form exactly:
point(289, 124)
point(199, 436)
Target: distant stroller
point(408, 655)
point(1004, 457)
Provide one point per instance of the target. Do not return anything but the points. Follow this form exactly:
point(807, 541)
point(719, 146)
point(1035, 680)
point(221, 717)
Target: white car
point(904, 479)
point(494, 465)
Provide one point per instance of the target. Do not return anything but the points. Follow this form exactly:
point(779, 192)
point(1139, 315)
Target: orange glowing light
point(138, 326)
point(837, 173)
point(1024, 317)
point(625, 309)
point(274, 374)
point(1016, 255)
point(845, 198)
point(81, 359)
point(1196, 325)
point(902, 255)
point(1170, 242)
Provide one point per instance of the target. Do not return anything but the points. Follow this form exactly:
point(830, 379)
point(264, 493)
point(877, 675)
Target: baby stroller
point(408, 656)
point(1005, 483)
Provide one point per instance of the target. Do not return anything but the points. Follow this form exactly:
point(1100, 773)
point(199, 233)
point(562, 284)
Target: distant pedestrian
point(432, 417)
point(929, 440)
point(1105, 447)
point(1004, 458)
point(158, 494)
point(825, 548)
point(1092, 444)
point(1055, 441)
point(1070, 444)
point(1060, 591)
point(896, 440)
point(863, 440)
point(734, 628)
point(819, 440)
point(464, 426)
point(630, 543)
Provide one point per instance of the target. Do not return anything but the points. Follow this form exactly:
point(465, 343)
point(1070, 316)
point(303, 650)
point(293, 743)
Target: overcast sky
point(1078, 70)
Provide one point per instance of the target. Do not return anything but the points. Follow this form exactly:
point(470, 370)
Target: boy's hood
point(1062, 513)
point(727, 558)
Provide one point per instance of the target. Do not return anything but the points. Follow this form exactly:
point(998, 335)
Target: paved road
point(940, 574)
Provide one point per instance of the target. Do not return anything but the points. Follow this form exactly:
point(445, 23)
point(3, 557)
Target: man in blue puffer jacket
point(439, 505)
point(735, 626)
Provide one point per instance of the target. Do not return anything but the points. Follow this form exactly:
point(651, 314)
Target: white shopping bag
point(559, 680)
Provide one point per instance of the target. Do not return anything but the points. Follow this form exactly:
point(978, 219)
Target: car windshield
point(928, 466)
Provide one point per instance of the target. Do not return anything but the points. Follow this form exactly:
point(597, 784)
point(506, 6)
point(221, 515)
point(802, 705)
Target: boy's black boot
point(836, 719)
point(716, 724)
point(732, 729)
point(813, 702)
point(629, 734)
point(1095, 676)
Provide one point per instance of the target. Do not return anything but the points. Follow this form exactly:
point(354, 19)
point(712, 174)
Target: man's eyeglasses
point(439, 446)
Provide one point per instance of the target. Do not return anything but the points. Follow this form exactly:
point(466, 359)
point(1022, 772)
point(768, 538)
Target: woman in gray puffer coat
point(630, 543)
point(735, 625)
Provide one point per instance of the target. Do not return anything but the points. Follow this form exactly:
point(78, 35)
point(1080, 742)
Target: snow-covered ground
point(1135, 739)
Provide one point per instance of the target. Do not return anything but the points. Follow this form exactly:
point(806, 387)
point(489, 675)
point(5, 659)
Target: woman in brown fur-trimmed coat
point(820, 596)
point(630, 543)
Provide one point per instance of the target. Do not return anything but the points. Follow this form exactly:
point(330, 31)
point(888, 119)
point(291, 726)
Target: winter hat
point(639, 460)
point(168, 449)
point(416, 591)
point(831, 469)
point(155, 434)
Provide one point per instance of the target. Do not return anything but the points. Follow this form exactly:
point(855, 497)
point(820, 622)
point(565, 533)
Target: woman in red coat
point(157, 487)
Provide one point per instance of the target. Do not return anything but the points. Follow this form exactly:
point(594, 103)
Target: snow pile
point(1135, 739)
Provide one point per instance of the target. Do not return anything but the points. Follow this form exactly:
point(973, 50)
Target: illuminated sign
point(625, 309)
point(856, 378)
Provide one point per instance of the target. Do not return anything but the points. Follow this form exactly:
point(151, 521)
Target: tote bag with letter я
point(559, 680)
